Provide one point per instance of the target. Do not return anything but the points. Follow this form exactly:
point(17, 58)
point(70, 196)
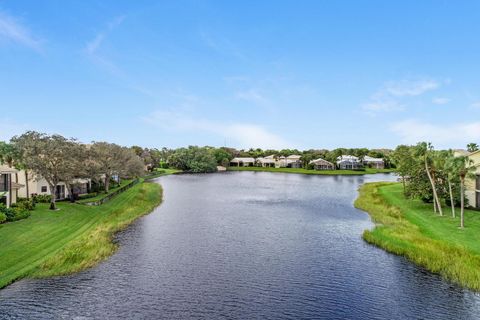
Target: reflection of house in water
point(348, 162)
point(322, 164)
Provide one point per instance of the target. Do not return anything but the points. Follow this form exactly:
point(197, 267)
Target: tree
point(193, 159)
point(404, 162)
point(424, 150)
point(472, 147)
point(462, 166)
point(48, 156)
point(222, 156)
point(113, 160)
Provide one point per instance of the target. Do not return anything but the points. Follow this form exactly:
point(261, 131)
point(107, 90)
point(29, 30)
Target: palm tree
point(424, 150)
point(451, 176)
point(463, 168)
point(472, 147)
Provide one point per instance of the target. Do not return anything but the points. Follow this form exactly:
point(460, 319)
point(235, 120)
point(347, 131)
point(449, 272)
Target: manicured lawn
point(72, 238)
point(102, 195)
point(411, 228)
point(305, 171)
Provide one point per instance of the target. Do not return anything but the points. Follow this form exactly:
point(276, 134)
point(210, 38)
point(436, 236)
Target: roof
point(371, 159)
point(17, 185)
point(266, 160)
point(321, 161)
point(243, 160)
point(7, 170)
point(347, 158)
point(294, 157)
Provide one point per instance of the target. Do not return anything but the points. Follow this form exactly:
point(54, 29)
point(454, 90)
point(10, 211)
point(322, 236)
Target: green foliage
point(194, 159)
point(409, 228)
point(3, 217)
point(25, 204)
point(14, 213)
point(42, 198)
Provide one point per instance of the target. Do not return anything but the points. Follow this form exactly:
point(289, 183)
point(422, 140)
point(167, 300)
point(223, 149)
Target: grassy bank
point(305, 171)
point(70, 239)
point(410, 228)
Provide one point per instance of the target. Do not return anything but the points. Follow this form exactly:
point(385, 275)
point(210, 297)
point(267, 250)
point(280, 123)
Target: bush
point(25, 204)
point(13, 214)
point(88, 195)
point(3, 217)
point(42, 198)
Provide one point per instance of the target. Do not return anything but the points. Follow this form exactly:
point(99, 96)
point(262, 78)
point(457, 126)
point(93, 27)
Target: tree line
point(435, 176)
point(59, 159)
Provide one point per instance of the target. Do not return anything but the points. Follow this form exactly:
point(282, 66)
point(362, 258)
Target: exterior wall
point(37, 184)
point(472, 187)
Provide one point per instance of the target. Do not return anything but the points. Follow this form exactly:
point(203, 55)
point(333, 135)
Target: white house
point(322, 164)
point(292, 161)
point(38, 185)
point(348, 162)
point(8, 187)
point(377, 163)
point(268, 161)
point(242, 162)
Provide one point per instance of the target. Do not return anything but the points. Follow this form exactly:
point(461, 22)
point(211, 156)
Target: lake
point(247, 245)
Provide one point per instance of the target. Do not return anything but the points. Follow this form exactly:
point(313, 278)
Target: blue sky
point(270, 74)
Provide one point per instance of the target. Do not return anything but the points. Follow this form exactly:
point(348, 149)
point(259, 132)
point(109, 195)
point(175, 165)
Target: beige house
point(292, 161)
point(38, 185)
point(472, 186)
point(268, 161)
point(371, 162)
point(8, 186)
point(242, 162)
point(322, 164)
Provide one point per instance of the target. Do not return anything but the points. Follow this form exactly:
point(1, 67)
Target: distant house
point(292, 161)
point(38, 185)
point(377, 163)
point(242, 162)
point(348, 162)
point(322, 164)
point(268, 161)
point(472, 186)
point(8, 187)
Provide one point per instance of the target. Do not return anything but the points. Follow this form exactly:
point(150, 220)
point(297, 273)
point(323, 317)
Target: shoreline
point(408, 228)
point(73, 239)
point(312, 172)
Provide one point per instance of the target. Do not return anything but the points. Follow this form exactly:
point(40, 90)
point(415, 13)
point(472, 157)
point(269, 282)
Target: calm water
point(247, 246)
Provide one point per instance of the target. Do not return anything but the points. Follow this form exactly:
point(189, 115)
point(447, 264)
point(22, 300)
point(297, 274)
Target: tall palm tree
point(424, 150)
point(463, 168)
point(451, 174)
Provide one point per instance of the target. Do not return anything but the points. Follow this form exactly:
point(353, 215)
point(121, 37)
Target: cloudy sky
point(304, 74)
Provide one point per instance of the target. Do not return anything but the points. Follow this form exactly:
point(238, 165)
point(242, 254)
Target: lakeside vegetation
point(72, 238)
point(310, 171)
point(409, 227)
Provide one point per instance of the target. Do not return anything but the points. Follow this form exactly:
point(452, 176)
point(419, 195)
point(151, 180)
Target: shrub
point(88, 195)
point(26, 204)
point(42, 198)
point(13, 214)
point(3, 217)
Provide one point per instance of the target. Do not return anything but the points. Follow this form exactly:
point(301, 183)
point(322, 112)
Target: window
point(44, 188)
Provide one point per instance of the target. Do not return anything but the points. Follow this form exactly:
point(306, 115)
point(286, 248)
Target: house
point(292, 161)
point(377, 163)
point(472, 186)
point(348, 162)
point(268, 161)
point(242, 162)
point(38, 185)
point(8, 187)
point(322, 164)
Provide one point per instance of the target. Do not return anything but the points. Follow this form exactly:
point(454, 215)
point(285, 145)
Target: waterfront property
point(472, 185)
point(268, 161)
point(291, 161)
point(349, 162)
point(8, 187)
point(37, 185)
point(322, 164)
point(242, 162)
point(377, 163)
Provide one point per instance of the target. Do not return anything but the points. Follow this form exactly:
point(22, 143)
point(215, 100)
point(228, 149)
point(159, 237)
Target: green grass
point(410, 228)
point(71, 239)
point(305, 171)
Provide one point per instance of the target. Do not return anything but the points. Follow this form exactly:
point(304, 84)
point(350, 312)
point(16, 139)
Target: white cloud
point(13, 30)
point(410, 87)
point(93, 45)
point(443, 136)
point(440, 100)
point(382, 105)
point(475, 105)
point(253, 96)
point(243, 135)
